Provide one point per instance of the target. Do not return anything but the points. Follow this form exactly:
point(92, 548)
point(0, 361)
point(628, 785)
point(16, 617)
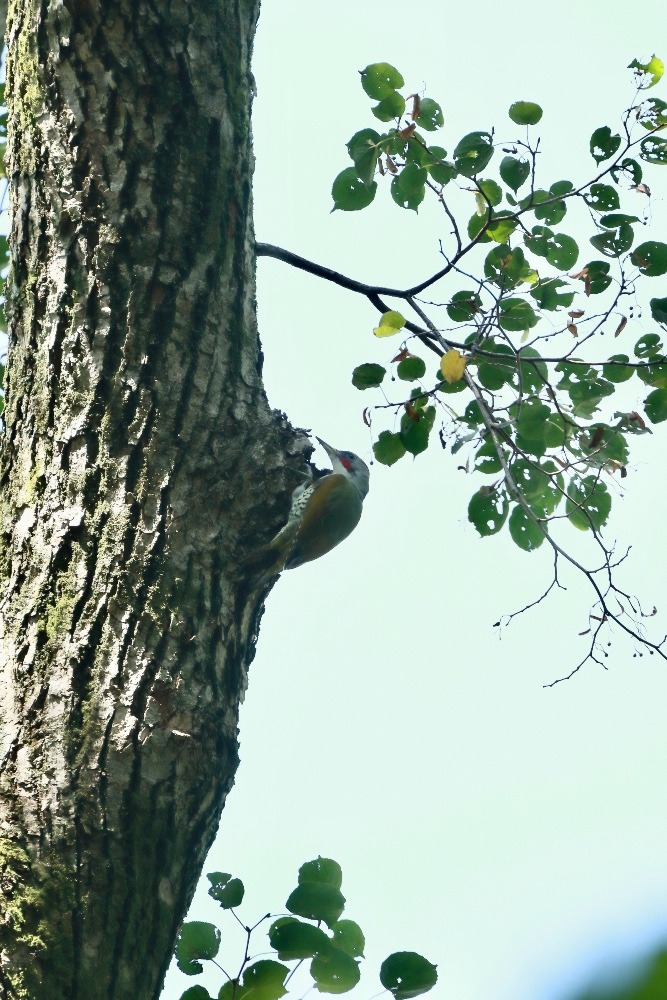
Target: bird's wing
point(333, 512)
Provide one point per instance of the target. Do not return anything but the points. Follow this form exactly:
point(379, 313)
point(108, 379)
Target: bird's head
point(350, 465)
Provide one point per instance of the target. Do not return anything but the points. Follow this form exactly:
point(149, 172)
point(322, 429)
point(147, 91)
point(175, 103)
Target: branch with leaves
point(550, 427)
point(333, 946)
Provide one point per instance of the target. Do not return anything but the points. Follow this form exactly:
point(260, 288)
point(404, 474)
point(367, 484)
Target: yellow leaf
point(452, 366)
point(654, 69)
point(390, 323)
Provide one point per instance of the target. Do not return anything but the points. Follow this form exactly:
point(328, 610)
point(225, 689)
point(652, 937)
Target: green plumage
point(322, 514)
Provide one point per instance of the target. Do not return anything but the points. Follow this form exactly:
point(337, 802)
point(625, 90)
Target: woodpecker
point(323, 513)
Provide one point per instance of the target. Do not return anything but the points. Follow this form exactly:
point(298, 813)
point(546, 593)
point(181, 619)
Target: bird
point(323, 513)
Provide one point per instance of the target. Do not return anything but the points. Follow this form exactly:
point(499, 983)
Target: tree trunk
point(133, 475)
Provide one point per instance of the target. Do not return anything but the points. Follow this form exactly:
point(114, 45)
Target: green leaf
point(389, 448)
point(557, 431)
point(391, 106)
point(630, 169)
point(588, 503)
point(652, 113)
point(560, 250)
point(487, 510)
point(614, 242)
point(650, 258)
point(409, 186)
point(563, 253)
point(596, 274)
point(552, 213)
point(475, 226)
point(618, 372)
point(336, 972)
point(603, 444)
point(350, 193)
point(494, 374)
point(648, 346)
point(487, 459)
point(533, 372)
point(659, 310)
point(316, 901)
point(655, 375)
point(602, 198)
point(559, 188)
point(368, 376)
point(584, 386)
point(473, 153)
point(380, 79)
point(547, 295)
point(293, 939)
point(407, 974)
point(525, 113)
point(430, 115)
point(604, 144)
point(410, 369)
point(324, 871)
point(196, 993)
point(501, 227)
point(415, 430)
point(525, 533)
point(506, 267)
point(616, 219)
point(262, 981)
point(463, 306)
point(655, 405)
point(647, 74)
point(531, 425)
point(472, 414)
point(653, 149)
point(364, 150)
point(434, 160)
point(226, 890)
point(489, 192)
point(349, 937)
point(514, 172)
point(516, 315)
point(197, 940)
point(540, 486)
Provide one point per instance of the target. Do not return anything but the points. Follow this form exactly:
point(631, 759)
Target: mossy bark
point(139, 465)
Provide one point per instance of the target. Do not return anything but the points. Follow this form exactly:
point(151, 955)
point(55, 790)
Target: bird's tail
point(269, 561)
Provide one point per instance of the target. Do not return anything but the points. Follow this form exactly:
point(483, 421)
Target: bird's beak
point(327, 447)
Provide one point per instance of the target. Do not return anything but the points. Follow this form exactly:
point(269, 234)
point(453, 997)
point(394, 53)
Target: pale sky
point(514, 835)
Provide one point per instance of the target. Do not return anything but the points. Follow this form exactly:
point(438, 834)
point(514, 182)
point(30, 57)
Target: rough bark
point(134, 478)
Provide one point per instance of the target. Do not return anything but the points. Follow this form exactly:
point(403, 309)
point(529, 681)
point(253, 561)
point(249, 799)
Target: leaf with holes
point(648, 73)
point(514, 172)
point(407, 974)
point(588, 503)
point(524, 531)
point(604, 144)
point(350, 193)
point(487, 511)
point(381, 79)
point(473, 153)
point(653, 150)
point(650, 258)
point(655, 405)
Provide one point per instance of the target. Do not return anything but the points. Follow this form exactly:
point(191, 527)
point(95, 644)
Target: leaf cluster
point(315, 932)
point(531, 421)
